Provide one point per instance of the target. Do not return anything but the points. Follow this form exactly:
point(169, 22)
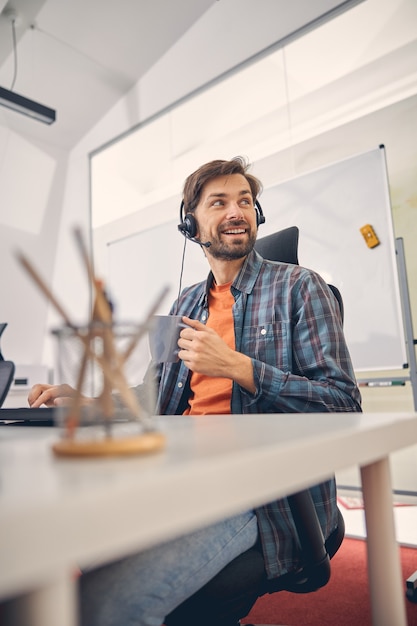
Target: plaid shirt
point(288, 321)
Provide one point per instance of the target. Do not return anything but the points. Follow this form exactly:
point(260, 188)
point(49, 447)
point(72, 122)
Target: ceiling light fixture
point(20, 104)
point(15, 101)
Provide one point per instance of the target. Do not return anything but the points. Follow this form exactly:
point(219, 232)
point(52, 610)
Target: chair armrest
point(316, 570)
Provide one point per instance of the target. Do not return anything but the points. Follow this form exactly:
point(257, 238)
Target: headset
point(188, 225)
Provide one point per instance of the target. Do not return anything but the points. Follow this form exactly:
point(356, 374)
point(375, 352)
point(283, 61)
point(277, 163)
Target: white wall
point(31, 208)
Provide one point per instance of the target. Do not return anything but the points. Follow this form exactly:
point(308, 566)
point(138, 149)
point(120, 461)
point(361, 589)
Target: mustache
point(234, 224)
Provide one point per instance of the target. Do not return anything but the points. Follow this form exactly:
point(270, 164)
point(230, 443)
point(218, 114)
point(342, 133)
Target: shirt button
point(179, 385)
point(203, 317)
point(263, 331)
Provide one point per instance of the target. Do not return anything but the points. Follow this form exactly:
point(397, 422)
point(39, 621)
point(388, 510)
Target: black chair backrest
point(280, 246)
point(6, 372)
point(2, 327)
point(339, 299)
point(6, 379)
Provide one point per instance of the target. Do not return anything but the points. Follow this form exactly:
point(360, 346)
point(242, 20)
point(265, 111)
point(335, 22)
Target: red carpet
point(343, 602)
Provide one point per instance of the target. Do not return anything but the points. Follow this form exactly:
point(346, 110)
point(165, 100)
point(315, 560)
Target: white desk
point(55, 513)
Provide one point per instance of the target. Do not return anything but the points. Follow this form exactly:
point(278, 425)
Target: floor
point(405, 515)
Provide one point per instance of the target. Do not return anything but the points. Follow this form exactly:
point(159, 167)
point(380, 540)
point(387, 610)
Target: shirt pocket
point(268, 343)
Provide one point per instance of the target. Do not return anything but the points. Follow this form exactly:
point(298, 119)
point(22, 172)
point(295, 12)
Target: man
point(261, 337)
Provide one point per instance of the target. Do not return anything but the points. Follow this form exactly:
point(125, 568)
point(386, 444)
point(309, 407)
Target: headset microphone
point(206, 244)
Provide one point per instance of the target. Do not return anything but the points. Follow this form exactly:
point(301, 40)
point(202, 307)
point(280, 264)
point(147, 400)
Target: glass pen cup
point(101, 410)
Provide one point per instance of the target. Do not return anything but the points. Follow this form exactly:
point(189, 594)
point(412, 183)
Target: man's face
point(226, 217)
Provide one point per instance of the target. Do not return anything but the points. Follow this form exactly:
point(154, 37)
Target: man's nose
point(234, 211)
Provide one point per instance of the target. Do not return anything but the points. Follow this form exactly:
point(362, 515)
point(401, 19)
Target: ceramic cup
point(163, 338)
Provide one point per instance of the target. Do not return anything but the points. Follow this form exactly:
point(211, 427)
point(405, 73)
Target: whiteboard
point(329, 205)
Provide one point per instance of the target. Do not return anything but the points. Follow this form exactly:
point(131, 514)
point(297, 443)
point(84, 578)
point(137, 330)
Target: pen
point(383, 383)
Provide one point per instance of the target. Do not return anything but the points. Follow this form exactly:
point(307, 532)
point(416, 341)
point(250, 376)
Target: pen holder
point(102, 414)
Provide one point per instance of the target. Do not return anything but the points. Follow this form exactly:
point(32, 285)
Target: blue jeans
point(142, 589)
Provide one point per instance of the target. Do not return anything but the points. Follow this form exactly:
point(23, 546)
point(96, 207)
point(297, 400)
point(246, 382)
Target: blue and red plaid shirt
point(288, 321)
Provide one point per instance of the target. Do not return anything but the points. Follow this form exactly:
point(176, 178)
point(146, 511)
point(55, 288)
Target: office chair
point(231, 594)
point(6, 372)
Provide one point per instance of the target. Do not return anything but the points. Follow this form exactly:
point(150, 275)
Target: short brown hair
point(195, 182)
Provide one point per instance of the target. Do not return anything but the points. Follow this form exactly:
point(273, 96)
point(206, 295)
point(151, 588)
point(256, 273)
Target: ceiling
point(80, 57)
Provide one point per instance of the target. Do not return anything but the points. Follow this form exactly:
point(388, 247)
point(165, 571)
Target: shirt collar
point(248, 274)
point(244, 281)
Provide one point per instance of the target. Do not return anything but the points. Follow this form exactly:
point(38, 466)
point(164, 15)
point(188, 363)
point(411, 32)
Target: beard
point(237, 248)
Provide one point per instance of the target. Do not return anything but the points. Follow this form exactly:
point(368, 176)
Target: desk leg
point(384, 568)
point(49, 605)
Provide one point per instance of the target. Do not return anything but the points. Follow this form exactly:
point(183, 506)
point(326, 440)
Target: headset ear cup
point(260, 217)
point(189, 225)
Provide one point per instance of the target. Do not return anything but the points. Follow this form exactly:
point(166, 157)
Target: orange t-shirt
point(211, 395)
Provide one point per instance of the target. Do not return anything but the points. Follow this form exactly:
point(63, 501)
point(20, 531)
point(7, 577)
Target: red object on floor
point(344, 601)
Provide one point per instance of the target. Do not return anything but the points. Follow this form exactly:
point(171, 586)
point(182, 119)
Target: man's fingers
point(193, 323)
point(50, 395)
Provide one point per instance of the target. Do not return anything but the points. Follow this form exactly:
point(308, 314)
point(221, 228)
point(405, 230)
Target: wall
point(32, 182)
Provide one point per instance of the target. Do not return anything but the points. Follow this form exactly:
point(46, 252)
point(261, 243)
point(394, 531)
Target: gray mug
point(163, 338)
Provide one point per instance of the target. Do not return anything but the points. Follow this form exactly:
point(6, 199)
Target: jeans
point(142, 589)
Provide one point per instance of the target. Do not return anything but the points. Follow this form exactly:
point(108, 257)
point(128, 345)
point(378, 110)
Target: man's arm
point(321, 376)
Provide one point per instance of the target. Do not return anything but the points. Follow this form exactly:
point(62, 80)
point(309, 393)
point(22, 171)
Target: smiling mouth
point(234, 231)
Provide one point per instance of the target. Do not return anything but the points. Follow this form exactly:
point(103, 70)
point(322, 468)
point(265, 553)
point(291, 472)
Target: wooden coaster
point(138, 444)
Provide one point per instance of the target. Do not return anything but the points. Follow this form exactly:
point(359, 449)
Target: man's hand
point(50, 395)
point(204, 351)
